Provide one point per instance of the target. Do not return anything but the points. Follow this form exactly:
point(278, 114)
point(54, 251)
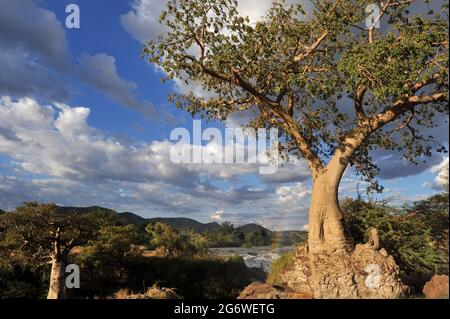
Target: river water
point(254, 257)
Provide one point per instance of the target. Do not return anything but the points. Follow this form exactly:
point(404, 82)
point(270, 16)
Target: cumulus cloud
point(100, 71)
point(217, 215)
point(33, 52)
point(43, 34)
point(293, 195)
point(56, 154)
point(36, 62)
point(442, 175)
point(142, 21)
point(53, 154)
point(394, 166)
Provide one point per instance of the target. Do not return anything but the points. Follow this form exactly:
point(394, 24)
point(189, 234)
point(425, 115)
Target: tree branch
point(359, 98)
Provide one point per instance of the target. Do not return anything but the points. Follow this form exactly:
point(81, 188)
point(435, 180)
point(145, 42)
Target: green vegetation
point(335, 90)
point(186, 244)
point(117, 258)
point(111, 256)
point(108, 255)
point(415, 235)
point(280, 266)
point(191, 278)
point(35, 235)
point(252, 235)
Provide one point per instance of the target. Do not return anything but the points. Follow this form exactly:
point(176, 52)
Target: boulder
point(437, 287)
point(364, 272)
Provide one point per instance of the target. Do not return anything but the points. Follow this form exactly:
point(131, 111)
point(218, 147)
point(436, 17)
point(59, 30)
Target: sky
point(85, 121)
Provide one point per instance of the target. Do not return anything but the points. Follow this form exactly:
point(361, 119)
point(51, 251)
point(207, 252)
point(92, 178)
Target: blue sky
point(107, 144)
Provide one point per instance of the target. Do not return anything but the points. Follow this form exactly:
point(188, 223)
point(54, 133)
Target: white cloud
point(293, 195)
point(55, 156)
point(217, 216)
point(142, 21)
point(442, 174)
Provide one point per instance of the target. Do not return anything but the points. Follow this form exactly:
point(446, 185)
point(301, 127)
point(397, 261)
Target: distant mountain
point(182, 223)
point(185, 224)
point(248, 228)
point(176, 223)
point(90, 209)
point(130, 218)
point(2, 211)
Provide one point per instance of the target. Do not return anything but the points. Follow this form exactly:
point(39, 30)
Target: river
point(254, 257)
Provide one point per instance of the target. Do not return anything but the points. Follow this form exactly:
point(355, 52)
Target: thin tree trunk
point(57, 287)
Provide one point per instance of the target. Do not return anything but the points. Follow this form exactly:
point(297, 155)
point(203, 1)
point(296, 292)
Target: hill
point(249, 231)
point(185, 224)
point(174, 222)
point(248, 228)
point(86, 210)
point(130, 218)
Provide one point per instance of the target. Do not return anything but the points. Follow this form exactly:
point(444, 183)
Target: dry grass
point(153, 292)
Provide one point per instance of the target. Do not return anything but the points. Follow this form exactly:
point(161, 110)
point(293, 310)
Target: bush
point(153, 292)
point(416, 236)
point(199, 278)
point(186, 244)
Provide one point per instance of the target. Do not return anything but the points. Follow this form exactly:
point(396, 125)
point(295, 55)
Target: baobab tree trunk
point(326, 227)
point(57, 287)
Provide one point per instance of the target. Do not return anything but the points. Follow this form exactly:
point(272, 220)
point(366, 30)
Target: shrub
point(154, 292)
point(186, 244)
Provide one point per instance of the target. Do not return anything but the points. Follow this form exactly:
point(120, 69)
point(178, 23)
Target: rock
point(259, 290)
point(437, 287)
point(384, 253)
point(362, 273)
point(297, 277)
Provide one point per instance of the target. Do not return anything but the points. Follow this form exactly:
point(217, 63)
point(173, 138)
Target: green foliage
point(202, 278)
point(28, 237)
point(293, 69)
point(279, 267)
point(32, 230)
point(177, 243)
point(417, 236)
point(106, 255)
point(18, 280)
point(247, 236)
point(208, 277)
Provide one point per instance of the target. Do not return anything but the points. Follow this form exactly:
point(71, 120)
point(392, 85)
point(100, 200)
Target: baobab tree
point(46, 233)
point(337, 87)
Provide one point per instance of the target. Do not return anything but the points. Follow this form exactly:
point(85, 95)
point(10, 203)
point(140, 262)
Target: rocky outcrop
point(437, 287)
point(297, 278)
point(364, 272)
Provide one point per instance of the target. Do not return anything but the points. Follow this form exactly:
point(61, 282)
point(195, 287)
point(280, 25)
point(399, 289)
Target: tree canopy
point(334, 87)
